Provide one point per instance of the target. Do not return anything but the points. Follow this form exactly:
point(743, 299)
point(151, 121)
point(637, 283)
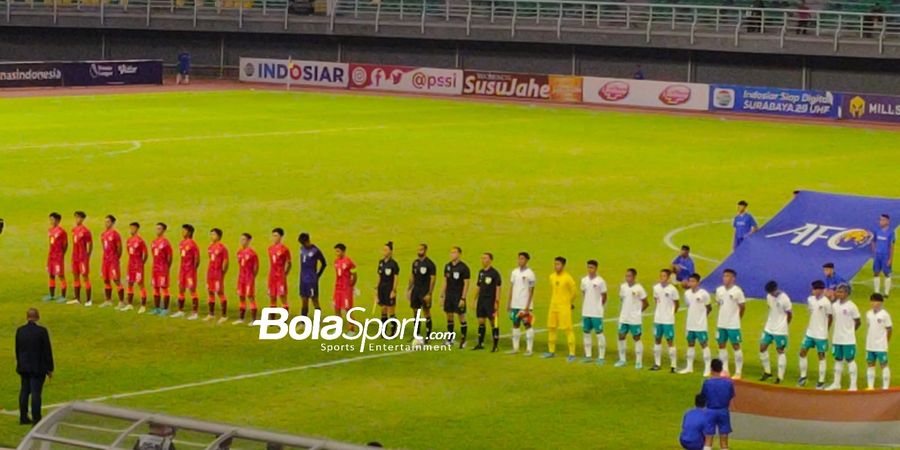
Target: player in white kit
point(820, 318)
point(593, 289)
point(666, 296)
point(879, 334)
point(521, 295)
point(731, 301)
point(843, 339)
point(776, 330)
point(697, 302)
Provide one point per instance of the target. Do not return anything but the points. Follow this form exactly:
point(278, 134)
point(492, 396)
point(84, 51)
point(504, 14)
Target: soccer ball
point(418, 343)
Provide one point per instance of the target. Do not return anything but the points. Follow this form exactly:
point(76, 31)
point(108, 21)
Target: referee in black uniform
point(487, 291)
point(456, 286)
point(387, 285)
point(421, 286)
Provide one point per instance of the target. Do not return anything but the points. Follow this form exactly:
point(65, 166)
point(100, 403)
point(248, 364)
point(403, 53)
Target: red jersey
point(137, 251)
point(112, 246)
point(279, 256)
point(58, 242)
point(190, 255)
point(162, 256)
point(249, 265)
point(81, 238)
point(343, 267)
point(218, 256)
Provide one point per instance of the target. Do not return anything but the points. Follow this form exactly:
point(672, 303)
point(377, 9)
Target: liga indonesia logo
point(274, 325)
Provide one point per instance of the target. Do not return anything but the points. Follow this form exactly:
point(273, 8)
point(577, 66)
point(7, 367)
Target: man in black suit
point(34, 363)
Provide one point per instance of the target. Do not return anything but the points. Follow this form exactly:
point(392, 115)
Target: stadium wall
point(218, 53)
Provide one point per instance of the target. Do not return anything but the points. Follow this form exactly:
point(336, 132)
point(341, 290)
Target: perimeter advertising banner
point(879, 108)
point(506, 85)
point(301, 73)
point(80, 73)
point(420, 80)
point(566, 89)
point(776, 101)
point(646, 93)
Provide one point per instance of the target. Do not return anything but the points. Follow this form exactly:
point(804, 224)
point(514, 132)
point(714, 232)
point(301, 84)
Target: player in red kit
point(279, 267)
point(187, 272)
point(161, 250)
point(82, 247)
point(215, 275)
point(56, 258)
point(111, 271)
point(344, 281)
point(248, 267)
point(137, 258)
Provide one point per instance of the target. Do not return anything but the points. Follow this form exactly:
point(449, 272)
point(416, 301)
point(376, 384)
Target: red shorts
point(343, 299)
point(215, 283)
point(81, 268)
point(187, 279)
point(135, 276)
point(111, 271)
point(246, 289)
point(56, 267)
point(161, 280)
point(277, 287)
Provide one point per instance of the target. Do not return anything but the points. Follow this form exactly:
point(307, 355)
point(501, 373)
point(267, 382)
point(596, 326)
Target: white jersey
point(779, 307)
point(729, 301)
point(521, 281)
point(593, 290)
point(876, 338)
point(665, 297)
point(819, 312)
point(845, 315)
point(696, 303)
point(632, 303)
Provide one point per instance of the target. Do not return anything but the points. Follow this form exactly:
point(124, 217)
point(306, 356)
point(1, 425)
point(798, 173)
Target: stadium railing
point(555, 16)
point(94, 426)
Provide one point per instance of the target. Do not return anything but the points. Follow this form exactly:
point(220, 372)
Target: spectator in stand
point(639, 73)
point(803, 16)
point(184, 68)
point(754, 22)
point(693, 424)
point(875, 19)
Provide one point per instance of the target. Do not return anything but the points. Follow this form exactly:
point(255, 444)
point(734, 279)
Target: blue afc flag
point(814, 228)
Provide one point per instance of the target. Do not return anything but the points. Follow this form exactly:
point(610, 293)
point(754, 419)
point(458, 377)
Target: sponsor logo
point(424, 81)
point(835, 238)
point(857, 107)
point(31, 75)
point(723, 98)
point(676, 94)
point(508, 85)
point(360, 76)
point(300, 72)
point(613, 91)
point(127, 69)
point(101, 70)
point(249, 70)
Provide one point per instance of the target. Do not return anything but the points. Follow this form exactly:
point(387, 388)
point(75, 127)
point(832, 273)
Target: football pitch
point(362, 170)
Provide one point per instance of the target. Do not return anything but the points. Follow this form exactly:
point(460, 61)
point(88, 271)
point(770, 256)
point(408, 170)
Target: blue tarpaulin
point(814, 228)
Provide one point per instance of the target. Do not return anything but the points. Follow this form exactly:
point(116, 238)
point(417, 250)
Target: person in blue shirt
point(744, 224)
point(719, 391)
point(883, 247)
point(184, 68)
point(683, 266)
point(693, 424)
point(639, 73)
point(832, 279)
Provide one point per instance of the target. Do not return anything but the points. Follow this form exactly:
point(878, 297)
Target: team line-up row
point(827, 308)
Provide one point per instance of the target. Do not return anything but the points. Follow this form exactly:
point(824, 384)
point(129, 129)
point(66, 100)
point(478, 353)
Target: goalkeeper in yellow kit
point(562, 301)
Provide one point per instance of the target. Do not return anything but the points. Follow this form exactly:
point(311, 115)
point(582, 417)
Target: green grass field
point(366, 169)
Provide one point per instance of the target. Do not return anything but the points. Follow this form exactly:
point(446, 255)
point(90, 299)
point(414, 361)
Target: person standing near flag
point(883, 248)
point(832, 279)
point(744, 224)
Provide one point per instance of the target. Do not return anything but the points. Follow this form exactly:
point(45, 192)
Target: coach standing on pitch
point(34, 364)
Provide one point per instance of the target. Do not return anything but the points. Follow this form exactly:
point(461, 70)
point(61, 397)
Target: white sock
point(516, 335)
point(870, 377)
point(823, 368)
point(601, 346)
point(723, 355)
point(887, 286)
point(638, 352)
point(838, 372)
point(764, 359)
point(529, 339)
point(804, 365)
point(673, 356)
point(587, 345)
point(739, 361)
point(782, 365)
point(852, 373)
point(689, 358)
point(707, 358)
point(886, 377)
point(621, 349)
point(657, 354)
point(707, 447)
point(877, 284)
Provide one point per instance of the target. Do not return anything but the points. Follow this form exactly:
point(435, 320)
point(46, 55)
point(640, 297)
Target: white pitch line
point(667, 239)
point(265, 373)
